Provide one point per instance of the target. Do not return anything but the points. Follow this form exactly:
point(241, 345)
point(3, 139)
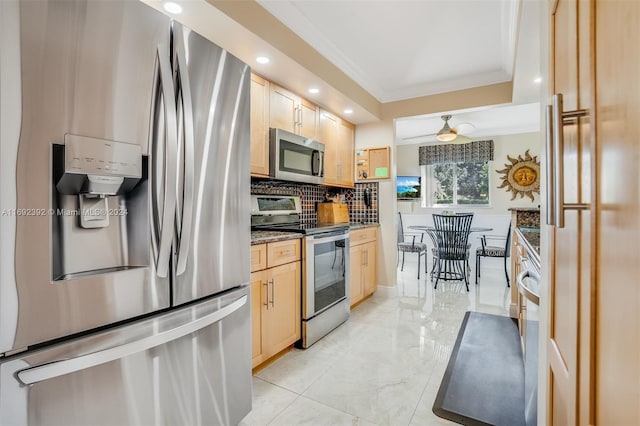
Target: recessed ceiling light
point(172, 7)
point(348, 111)
point(314, 90)
point(537, 80)
point(262, 60)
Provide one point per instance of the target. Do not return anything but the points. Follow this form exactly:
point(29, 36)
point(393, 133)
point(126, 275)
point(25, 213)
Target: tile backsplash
point(310, 195)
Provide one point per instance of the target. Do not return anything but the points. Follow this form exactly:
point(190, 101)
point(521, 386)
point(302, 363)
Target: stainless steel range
point(325, 269)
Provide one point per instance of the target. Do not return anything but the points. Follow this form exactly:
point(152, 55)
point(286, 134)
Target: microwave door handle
point(170, 154)
point(315, 163)
point(189, 159)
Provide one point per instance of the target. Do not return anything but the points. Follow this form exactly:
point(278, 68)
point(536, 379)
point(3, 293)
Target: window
point(455, 184)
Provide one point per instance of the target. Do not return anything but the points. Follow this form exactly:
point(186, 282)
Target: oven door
point(326, 277)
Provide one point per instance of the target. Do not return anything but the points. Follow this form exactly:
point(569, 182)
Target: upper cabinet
point(290, 112)
point(259, 126)
point(373, 164)
point(274, 106)
point(338, 137)
point(346, 145)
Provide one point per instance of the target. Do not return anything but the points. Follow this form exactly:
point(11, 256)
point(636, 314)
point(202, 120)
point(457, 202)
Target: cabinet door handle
point(560, 118)
point(267, 294)
point(286, 252)
point(273, 292)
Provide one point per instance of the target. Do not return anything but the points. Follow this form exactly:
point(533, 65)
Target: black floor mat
point(484, 380)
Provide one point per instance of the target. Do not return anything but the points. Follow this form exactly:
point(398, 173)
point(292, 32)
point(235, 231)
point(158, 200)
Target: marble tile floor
point(385, 364)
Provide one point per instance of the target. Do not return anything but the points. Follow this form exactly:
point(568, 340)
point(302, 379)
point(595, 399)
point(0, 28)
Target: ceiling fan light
point(446, 136)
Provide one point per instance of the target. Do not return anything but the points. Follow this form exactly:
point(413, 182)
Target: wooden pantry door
point(617, 92)
point(570, 302)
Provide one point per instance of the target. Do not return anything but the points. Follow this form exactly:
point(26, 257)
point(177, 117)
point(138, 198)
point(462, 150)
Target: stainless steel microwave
point(295, 158)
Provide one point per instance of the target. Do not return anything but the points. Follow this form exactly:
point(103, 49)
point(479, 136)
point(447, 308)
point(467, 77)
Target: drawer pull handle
point(273, 292)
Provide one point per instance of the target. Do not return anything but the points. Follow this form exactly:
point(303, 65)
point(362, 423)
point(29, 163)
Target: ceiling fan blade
point(464, 128)
point(461, 139)
point(418, 137)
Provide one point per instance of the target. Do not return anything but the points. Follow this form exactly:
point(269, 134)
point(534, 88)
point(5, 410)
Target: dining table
point(431, 231)
point(427, 228)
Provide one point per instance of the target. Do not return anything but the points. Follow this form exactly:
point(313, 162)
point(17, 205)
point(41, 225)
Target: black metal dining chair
point(411, 246)
point(486, 250)
point(451, 235)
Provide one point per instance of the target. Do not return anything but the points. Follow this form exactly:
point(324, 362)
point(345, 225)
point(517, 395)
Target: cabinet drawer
point(258, 257)
point(283, 252)
point(360, 236)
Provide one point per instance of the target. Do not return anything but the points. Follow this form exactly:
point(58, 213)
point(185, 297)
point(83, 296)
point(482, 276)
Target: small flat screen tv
point(408, 187)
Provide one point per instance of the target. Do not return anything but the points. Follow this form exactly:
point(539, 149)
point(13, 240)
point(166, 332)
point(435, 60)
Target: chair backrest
point(507, 246)
point(400, 229)
point(452, 235)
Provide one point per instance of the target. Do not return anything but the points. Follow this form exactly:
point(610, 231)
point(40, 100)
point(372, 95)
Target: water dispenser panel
point(99, 166)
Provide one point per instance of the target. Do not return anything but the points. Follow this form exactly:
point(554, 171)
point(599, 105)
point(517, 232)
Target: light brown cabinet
point(290, 112)
point(593, 342)
point(328, 135)
point(363, 266)
point(346, 146)
point(275, 299)
point(570, 394)
point(259, 126)
point(277, 107)
point(338, 137)
point(373, 163)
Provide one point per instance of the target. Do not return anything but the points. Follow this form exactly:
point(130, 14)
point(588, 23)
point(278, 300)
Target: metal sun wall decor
point(522, 176)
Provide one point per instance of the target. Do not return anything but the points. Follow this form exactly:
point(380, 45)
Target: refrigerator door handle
point(170, 181)
point(32, 375)
point(189, 148)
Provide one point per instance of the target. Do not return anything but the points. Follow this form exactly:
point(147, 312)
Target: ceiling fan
point(448, 133)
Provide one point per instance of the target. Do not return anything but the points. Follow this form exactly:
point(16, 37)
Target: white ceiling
point(404, 49)
point(476, 124)
point(398, 50)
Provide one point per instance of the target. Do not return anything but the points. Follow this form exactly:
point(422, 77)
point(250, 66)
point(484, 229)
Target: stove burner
point(304, 228)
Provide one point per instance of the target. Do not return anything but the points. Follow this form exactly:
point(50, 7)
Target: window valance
point(456, 153)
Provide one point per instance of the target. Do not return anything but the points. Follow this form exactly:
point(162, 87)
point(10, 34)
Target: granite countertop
point(531, 239)
point(261, 237)
point(524, 209)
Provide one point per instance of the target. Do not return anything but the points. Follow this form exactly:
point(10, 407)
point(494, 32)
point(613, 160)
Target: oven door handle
point(320, 240)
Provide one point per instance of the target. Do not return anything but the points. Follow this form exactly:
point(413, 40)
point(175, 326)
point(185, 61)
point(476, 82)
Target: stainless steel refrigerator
point(124, 219)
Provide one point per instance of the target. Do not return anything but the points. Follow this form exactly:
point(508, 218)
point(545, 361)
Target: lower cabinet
point(275, 301)
point(363, 265)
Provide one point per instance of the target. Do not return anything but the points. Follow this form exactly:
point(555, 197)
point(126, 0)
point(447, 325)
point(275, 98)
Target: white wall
point(500, 199)
point(404, 161)
point(377, 135)
point(496, 215)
